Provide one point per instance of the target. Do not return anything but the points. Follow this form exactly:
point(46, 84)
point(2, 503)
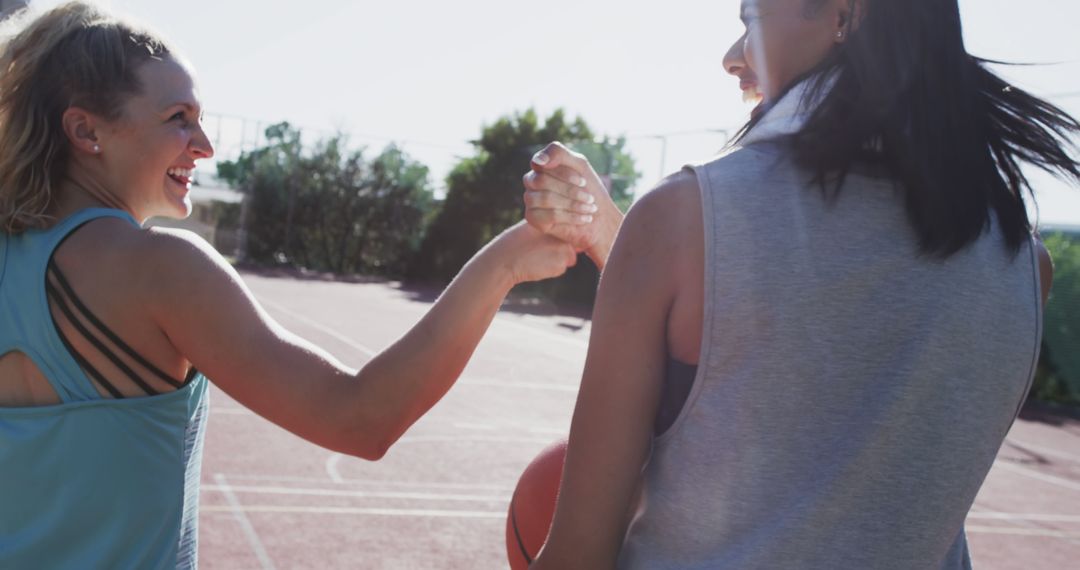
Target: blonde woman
point(107, 328)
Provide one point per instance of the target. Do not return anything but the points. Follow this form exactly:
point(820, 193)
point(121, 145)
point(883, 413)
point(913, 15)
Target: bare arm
point(613, 421)
point(212, 318)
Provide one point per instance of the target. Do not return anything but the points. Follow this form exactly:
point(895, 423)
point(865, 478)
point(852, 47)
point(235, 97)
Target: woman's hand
point(530, 255)
point(566, 199)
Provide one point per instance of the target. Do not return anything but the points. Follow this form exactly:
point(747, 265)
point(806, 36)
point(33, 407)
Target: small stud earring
point(840, 35)
point(97, 149)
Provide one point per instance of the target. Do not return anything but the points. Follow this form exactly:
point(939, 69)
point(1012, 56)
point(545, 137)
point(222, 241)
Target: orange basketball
point(533, 505)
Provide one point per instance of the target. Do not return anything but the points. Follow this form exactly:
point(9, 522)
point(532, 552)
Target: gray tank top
point(851, 394)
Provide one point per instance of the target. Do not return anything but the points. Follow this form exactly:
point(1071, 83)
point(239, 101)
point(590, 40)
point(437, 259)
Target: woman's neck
point(76, 194)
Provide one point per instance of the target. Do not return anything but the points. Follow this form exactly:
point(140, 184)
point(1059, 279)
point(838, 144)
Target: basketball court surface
point(439, 497)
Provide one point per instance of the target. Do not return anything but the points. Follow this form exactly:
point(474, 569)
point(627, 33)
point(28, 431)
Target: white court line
point(471, 438)
point(520, 385)
point(508, 426)
point(425, 513)
point(334, 473)
point(350, 342)
point(1059, 481)
point(264, 490)
point(1017, 531)
point(245, 524)
point(320, 327)
point(1046, 451)
point(1025, 517)
point(232, 411)
point(332, 469)
point(371, 353)
point(374, 483)
point(577, 343)
point(482, 427)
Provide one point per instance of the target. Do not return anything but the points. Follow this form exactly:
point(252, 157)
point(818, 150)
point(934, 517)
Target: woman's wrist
point(610, 223)
point(496, 263)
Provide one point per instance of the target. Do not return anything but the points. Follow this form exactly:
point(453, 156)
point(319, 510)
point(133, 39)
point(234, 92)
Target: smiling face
point(783, 40)
point(150, 152)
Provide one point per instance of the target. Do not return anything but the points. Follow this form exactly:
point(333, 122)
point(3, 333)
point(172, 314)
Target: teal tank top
point(89, 482)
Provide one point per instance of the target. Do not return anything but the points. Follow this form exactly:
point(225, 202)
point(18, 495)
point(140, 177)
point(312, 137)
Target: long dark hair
point(909, 97)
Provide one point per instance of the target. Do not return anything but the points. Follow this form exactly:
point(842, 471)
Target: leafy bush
point(484, 196)
point(1058, 376)
point(330, 210)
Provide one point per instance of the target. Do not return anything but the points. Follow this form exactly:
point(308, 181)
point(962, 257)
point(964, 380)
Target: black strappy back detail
point(60, 291)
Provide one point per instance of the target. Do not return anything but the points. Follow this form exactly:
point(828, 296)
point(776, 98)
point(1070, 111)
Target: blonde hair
point(73, 55)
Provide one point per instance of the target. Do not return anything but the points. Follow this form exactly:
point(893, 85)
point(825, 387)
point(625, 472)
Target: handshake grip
point(566, 199)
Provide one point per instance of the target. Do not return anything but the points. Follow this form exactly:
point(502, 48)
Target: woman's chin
point(752, 96)
point(178, 208)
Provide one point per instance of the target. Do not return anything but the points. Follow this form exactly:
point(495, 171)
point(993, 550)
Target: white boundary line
point(269, 490)
point(332, 469)
point(1054, 480)
point(576, 342)
point(425, 513)
point(1017, 531)
point(1025, 517)
point(319, 327)
point(470, 438)
point(366, 482)
point(1045, 451)
point(238, 512)
point(519, 385)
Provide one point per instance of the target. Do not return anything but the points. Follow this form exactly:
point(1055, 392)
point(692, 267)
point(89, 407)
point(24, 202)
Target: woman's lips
point(750, 91)
point(747, 84)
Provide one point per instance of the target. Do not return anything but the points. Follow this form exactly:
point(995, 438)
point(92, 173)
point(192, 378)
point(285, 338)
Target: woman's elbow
point(368, 438)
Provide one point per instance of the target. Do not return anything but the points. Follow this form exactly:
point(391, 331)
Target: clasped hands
point(565, 199)
point(567, 211)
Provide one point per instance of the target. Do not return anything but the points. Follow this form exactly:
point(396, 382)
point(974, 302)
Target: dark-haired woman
point(106, 328)
point(807, 352)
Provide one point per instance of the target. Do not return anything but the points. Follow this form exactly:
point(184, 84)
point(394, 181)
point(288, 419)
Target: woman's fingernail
point(541, 158)
point(578, 181)
point(585, 219)
point(588, 208)
point(585, 197)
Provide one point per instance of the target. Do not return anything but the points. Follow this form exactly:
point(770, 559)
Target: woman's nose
point(734, 59)
point(201, 145)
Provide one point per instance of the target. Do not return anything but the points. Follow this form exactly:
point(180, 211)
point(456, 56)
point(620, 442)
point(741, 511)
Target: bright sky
point(430, 73)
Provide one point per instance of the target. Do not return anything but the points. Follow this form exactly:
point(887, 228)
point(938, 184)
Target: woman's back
point(115, 476)
point(851, 395)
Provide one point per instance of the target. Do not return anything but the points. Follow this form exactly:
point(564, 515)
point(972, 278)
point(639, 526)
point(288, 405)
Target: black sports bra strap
point(113, 337)
point(82, 362)
point(89, 336)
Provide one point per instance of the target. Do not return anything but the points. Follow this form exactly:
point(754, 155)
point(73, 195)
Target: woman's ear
point(80, 127)
point(849, 15)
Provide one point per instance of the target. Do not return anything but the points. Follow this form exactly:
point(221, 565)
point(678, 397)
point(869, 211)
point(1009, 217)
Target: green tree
point(1058, 377)
point(330, 209)
point(484, 194)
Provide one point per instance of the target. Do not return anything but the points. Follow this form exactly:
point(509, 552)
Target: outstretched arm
point(208, 313)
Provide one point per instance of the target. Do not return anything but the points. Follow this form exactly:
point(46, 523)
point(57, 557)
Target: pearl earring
point(840, 35)
point(97, 149)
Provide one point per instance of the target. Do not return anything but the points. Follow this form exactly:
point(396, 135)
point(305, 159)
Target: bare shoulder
point(665, 212)
point(117, 243)
point(674, 193)
point(179, 265)
point(171, 250)
point(666, 225)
